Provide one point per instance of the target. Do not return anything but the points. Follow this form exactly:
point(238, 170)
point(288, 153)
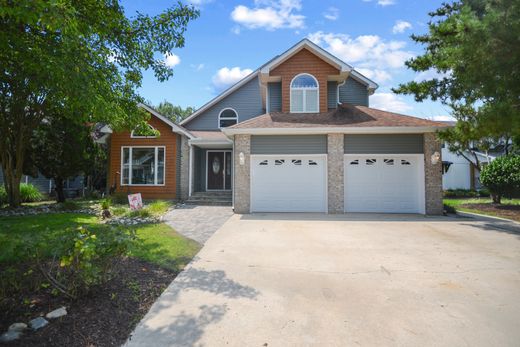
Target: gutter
point(331, 130)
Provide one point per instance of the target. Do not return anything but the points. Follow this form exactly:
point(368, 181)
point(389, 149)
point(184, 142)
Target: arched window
point(304, 94)
point(149, 134)
point(227, 117)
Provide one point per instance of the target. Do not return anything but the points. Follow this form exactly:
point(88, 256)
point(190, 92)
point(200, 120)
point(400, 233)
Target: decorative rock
point(62, 311)
point(10, 335)
point(17, 327)
point(38, 323)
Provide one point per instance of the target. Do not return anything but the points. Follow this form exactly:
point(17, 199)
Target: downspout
point(337, 91)
point(233, 175)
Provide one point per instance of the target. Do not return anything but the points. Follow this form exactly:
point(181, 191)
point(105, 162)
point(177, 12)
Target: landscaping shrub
point(142, 213)
point(106, 203)
point(449, 209)
point(158, 207)
point(502, 177)
point(30, 193)
point(84, 258)
point(120, 198)
point(69, 206)
point(466, 193)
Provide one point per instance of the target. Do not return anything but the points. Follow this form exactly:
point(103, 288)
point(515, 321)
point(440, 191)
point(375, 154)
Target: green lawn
point(156, 243)
point(509, 208)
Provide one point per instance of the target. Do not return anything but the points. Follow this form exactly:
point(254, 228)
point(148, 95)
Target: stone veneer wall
point(335, 167)
point(242, 188)
point(432, 175)
point(185, 168)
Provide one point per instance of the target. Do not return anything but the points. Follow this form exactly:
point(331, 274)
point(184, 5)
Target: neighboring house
point(459, 173)
point(296, 135)
point(73, 187)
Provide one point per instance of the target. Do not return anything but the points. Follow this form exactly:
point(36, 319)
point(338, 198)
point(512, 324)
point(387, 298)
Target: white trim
point(175, 127)
point(223, 170)
point(331, 130)
point(144, 136)
point(190, 170)
point(156, 152)
point(219, 118)
point(420, 168)
point(220, 97)
point(338, 85)
point(267, 106)
point(304, 94)
point(323, 155)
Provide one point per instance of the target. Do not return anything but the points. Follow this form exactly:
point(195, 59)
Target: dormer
point(308, 79)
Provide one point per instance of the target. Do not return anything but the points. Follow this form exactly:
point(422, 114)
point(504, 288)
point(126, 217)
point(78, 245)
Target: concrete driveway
point(317, 280)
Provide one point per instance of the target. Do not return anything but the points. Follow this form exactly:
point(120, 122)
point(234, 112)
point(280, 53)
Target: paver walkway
point(198, 222)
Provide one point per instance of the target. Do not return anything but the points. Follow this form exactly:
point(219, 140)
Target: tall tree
point(175, 113)
point(78, 58)
point(473, 49)
point(62, 149)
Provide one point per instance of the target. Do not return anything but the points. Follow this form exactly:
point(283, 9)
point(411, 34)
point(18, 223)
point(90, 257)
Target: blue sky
point(231, 38)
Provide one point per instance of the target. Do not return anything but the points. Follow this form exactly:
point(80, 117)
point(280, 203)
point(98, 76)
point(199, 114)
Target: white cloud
point(332, 13)
point(226, 77)
point(445, 118)
point(383, 2)
point(270, 15)
point(369, 53)
point(171, 60)
point(400, 26)
point(429, 74)
point(199, 2)
point(376, 74)
point(389, 102)
point(197, 67)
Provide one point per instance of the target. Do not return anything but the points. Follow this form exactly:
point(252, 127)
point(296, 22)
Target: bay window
point(142, 166)
point(304, 94)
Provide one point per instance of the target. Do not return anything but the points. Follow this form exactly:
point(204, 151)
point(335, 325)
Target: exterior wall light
point(436, 157)
point(242, 158)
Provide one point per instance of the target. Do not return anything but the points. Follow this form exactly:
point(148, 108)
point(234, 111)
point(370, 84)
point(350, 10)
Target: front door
point(218, 170)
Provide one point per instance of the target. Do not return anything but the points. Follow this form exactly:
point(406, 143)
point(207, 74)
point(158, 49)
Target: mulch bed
point(106, 317)
point(505, 211)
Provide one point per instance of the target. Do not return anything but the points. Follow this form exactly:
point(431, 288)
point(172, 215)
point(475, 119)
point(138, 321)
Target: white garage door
point(285, 183)
point(384, 183)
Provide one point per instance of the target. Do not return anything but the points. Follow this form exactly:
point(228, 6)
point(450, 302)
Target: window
point(312, 162)
point(354, 162)
point(279, 161)
point(370, 161)
point(304, 94)
point(264, 162)
point(142, 166)
point(405, 162)
point(151, 134)
point(389, 161)
point(297, 161)
point(227, 117)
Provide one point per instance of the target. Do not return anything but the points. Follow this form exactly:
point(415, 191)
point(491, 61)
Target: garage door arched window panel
point(304, 94)
point(143, 166)
point(227, 117)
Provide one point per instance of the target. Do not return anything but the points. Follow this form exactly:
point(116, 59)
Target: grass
point(156, 243)
point(465, 205)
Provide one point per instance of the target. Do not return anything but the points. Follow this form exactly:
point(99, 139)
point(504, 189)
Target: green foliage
point(120, 198)
point(474, 48)
point(119, 211)
point(502, 177)
point(106, 203)
point(158, 207)
point(30, 193)
point(3, 196)
point(175, 113)
point(465, 193)
point(83, 60)
point(69, 206)
point(142, 213)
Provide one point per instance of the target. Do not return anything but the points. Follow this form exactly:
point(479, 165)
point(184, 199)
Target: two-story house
point(296, 135)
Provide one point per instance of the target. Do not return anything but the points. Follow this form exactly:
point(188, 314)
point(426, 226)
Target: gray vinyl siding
point(353, 92)
point(289, 144)
point(42, 183)
point(384, 144)
point(332, 95)
point(275, 96)
point(247, 101)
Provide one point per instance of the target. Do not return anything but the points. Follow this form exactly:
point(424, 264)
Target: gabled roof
point(175, 128)
point(271, 64)
point(345, 119)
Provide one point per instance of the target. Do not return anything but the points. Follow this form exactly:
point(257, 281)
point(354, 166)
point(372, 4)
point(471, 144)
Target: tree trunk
point(13, 188)
point(497, 198)
point(60, 193)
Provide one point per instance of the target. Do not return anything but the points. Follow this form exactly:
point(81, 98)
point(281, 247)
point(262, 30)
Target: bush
point(142, 213)
point(69, 206)
point(465, 193)
point(502, 177)
point(86, 259)
point(30, 193)
point(106, 203)
point(158, 207)
point(120, 198)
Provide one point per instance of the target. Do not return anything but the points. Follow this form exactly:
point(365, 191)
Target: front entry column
point(242, 186)
point(335, 167)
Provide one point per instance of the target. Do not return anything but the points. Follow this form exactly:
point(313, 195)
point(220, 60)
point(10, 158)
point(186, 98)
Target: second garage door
point(384, 183)
point(285, 183)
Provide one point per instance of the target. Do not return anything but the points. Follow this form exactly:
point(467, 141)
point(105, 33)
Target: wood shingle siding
point(304, 62)
point(168, 139)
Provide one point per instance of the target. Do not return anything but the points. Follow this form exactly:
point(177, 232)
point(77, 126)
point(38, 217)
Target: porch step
point(210, 198)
